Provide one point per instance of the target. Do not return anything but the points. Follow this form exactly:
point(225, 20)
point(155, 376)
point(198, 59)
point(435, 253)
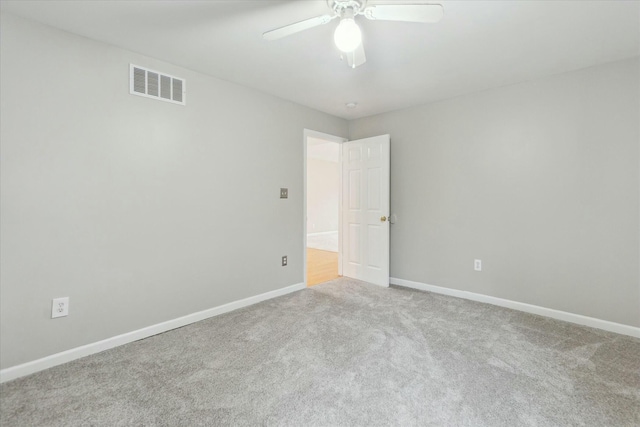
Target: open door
point(365, 209)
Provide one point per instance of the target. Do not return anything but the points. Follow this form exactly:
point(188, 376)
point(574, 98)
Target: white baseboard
point(528, 308)
point(17, 371)
point(322, 233)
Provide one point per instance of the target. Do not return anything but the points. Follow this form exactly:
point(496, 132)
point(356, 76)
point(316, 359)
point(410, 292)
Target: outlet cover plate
point(477, 265)
point(60, 307)
point(284, 193)
point(284, 261)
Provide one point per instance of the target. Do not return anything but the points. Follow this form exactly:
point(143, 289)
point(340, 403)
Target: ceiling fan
point(347, 35)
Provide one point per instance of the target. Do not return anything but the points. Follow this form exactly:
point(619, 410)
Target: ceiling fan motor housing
point(347, 8)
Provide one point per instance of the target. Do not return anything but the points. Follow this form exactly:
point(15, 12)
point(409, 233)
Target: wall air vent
point(153, 84)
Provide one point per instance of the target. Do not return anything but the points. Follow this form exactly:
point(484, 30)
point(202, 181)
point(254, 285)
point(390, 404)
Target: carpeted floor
point(347, 353)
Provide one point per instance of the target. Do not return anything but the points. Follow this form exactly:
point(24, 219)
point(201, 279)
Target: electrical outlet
point(60, 307)
point(284, 193)
point(284, 261)
point(477, 265)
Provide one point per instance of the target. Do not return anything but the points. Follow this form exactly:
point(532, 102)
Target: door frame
point(308, 133)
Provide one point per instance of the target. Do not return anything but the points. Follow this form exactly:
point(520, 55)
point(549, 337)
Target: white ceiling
point(477, 45)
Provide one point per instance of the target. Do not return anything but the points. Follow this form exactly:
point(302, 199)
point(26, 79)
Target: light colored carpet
point(347, 353)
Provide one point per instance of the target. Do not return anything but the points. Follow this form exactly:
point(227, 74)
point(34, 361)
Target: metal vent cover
point(157, 85)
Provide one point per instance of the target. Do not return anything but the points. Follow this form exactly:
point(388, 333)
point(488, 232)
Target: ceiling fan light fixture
point(347, 35)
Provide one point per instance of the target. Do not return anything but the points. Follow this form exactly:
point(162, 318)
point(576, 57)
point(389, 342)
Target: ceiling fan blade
point(425, 13)
point(297, 27)
point(357, 57)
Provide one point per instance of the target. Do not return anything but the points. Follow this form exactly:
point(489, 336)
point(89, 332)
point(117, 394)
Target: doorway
point(351, 192)
point(323, 173)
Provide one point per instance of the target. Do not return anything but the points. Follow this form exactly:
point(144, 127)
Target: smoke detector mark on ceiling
point(156, 85)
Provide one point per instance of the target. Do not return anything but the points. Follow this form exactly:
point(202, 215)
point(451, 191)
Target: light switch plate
point(284, 193)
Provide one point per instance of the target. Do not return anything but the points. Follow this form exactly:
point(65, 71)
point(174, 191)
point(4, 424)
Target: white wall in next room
point(323, 192)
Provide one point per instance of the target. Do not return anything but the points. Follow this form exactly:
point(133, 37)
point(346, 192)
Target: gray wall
point(539, 180)
point(140, 211)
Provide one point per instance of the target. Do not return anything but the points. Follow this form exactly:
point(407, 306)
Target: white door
point(365, 209)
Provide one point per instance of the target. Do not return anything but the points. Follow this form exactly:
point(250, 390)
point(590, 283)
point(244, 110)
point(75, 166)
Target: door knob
point(383, 218)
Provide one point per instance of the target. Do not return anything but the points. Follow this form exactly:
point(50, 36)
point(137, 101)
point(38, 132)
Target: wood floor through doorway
point(322, 266)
